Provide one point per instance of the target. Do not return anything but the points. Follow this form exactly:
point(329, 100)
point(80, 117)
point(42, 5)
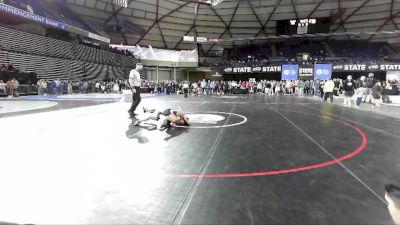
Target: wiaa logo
point(289, 72)
point(373, 67)
point(338, 67)
point(322, 72)
point(205, 118)
point(228, 70)
point(257, 69)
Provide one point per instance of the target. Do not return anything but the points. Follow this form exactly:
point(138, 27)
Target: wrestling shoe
point(148, 110)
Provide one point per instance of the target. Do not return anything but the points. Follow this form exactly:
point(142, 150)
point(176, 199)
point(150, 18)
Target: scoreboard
point(302, 26)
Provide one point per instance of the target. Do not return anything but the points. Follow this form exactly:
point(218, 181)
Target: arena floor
point(245, 160)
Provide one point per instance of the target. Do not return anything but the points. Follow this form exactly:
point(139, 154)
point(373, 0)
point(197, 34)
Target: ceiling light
point(216, 2)
point(206, 2)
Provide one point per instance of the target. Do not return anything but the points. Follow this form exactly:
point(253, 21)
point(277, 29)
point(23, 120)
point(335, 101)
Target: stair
point(328, 49)
point(390, 49)
point(273, 51)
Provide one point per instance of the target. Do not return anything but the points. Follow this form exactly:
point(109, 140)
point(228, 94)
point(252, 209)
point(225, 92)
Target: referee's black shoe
point(132, 115)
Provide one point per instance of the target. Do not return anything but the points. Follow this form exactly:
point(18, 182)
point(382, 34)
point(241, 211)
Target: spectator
point(3, 68)
point(69, 88)
point(328, 90)
point(11, 67)
point(359, 94)
point(369, 83)
point(15, 87)
point(376, 94)
point(42, 86)
point(349, 88)
point(2, 87)
point(10, 88)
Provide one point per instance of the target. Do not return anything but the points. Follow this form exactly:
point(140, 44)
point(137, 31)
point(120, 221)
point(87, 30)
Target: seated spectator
point(10, 67)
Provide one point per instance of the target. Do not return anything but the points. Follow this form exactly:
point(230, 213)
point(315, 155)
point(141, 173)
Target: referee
point(135, 83)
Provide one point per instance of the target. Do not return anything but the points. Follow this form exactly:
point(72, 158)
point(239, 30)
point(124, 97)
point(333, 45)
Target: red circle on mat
point(292, 170)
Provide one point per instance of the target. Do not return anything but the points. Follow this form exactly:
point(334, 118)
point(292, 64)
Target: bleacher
point(359, 50)
point(56, 59)
point(290, 49)
point(286, 52)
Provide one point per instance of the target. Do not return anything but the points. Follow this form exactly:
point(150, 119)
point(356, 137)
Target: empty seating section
point(64, 69)
point(359, 50)
point(51, 58)
point(289, 49)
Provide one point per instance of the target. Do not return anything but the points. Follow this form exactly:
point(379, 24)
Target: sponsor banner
point(306, 73)
point(366, 67)
point(49, 22)
point(271, 69)
point(323, 71)
point(389, 67)
point(31, 16)
point(350, 67)
point(355, 67)
point(290, 72)
point(242, 69)
point(255, 69)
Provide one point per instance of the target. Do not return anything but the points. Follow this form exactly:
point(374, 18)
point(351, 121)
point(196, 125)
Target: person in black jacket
point(349, 87)
point(337, 86)
point(369, 83)
point(376, 94)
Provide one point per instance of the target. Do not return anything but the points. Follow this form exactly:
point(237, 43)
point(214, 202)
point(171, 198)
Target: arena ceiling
point(163, 23)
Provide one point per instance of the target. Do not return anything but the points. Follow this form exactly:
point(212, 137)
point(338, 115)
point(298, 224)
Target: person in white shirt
point(204, 86)
point(135, 83)
point(186, 89)
point(2, 86)
point(360, 94)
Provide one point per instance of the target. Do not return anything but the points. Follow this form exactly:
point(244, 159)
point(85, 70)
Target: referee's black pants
point(135, 100)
